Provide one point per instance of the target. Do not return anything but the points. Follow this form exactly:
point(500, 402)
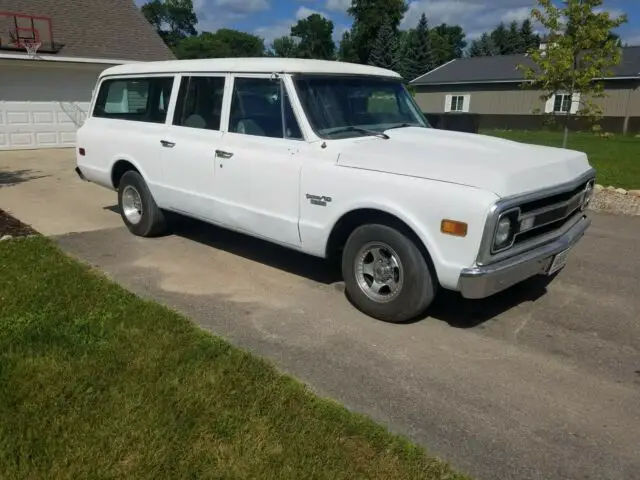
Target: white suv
point(332, 158)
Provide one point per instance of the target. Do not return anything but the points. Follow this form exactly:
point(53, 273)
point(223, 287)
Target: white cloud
point(241, 6)
point(304, 12)
point(473, 15)
point(271, 32)
point(517, 14)
point(338, 5)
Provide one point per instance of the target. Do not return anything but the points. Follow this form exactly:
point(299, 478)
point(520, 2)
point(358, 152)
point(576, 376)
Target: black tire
point(418, 285)
point(152, 222)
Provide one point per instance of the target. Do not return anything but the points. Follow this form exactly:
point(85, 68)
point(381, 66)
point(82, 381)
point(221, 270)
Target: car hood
point(502, 166)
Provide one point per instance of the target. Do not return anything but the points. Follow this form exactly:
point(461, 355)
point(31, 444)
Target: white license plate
point(559, 261)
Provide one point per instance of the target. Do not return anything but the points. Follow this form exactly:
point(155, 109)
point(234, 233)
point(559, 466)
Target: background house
point(489, 91)
point(44, 99)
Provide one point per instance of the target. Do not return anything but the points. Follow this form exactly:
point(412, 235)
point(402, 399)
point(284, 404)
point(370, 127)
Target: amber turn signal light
point(451, 227)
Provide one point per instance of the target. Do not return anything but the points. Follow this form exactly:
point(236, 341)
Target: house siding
point(623, 98)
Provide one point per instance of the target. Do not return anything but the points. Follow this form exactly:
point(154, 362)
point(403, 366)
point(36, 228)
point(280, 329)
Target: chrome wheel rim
point(379, 272)
point(132, 204)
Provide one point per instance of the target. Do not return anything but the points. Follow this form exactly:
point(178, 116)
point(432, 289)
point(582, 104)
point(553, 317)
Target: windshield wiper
point(366, 131)
point(403, 125)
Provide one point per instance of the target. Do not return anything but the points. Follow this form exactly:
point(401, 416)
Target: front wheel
point(386, 276)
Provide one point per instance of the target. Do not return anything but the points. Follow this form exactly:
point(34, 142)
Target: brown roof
point(106, 29)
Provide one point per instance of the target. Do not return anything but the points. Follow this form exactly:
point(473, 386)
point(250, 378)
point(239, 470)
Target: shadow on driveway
point(449, 306)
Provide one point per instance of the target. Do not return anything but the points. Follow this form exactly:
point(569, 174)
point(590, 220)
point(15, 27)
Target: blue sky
point(273, 18)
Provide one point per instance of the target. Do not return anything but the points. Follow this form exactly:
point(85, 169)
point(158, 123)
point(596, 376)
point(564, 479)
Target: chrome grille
point(549, 214)
point(546, 215)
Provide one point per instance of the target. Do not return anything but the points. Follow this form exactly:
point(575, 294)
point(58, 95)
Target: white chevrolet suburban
point(334, 160)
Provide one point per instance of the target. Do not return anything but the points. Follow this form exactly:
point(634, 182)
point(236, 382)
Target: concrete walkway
point(532, 384)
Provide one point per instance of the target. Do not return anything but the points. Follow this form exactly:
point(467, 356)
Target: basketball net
point(31, 46)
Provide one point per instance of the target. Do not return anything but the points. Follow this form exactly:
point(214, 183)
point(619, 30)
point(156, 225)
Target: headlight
point(505, 231)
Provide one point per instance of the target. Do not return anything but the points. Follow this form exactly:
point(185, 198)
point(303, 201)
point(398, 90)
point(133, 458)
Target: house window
point(457, 103)
point(562, 103)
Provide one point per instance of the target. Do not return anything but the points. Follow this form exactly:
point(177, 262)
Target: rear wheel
point(138, 209)
point(386, 275)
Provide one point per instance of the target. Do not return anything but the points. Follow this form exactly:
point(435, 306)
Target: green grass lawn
point(97, 383)
point(617, 160)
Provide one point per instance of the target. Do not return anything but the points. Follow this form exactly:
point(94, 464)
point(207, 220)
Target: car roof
point(249, 65)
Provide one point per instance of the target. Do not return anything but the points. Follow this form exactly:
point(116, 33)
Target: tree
point(417, 58)
point(347, 51)
point(224, 43)
point(483, 47)
point(530, 39)
point(284, 47)
point(515, 41)
point(315, 34)
point(174, 20)
point(368, 19)
point(579, 52)
point(447, 42)
point(500, 38)
point(384, 52)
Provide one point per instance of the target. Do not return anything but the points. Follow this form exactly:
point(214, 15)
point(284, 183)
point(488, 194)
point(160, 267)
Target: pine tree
point(417, 58)
point(483, 47)
point(384, 51)
point(347, 51)
point(515, 42)
point(500, 37)
point(530, 39)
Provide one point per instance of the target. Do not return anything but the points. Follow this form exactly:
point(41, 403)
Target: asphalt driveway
point(540, 382)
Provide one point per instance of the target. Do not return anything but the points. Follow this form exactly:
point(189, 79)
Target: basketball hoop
point(30, 46)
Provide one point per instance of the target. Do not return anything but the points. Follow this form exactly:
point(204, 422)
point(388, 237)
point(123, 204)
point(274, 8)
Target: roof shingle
point(105, 29)
point(503, 68)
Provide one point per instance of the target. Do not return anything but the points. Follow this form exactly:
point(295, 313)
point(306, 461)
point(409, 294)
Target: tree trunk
point(566, 133)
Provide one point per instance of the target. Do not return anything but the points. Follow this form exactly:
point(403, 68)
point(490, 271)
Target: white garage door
point(42, 106)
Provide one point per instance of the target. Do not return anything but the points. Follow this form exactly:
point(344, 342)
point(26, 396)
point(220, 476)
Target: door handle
point(223, 154)
point(167, 144)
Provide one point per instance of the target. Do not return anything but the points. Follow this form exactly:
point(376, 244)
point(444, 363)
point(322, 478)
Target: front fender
point(419, 203)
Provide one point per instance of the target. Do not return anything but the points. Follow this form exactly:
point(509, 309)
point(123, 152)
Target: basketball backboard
point(18, 30)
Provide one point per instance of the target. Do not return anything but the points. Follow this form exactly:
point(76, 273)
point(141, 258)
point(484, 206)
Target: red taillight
point(81, 151)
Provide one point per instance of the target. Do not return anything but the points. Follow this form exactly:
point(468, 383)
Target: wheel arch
point(355, 218)
point(119, 168)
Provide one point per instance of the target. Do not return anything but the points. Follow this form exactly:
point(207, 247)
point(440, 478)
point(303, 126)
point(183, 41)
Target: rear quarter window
point(134, 99)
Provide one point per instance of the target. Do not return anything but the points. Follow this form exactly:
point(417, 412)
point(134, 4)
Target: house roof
point(504, 69)
point(96, 29)
point(251, 65)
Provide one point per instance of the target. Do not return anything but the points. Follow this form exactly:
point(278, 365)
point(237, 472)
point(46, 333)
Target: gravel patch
point(613, 201)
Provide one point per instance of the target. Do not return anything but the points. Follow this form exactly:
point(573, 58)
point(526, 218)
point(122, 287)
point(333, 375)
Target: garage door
point(43, 106)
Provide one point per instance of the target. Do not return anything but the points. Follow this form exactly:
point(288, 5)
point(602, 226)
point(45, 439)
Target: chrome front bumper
point(486, 280)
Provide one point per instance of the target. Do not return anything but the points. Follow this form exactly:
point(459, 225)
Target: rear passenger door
point(190, 142)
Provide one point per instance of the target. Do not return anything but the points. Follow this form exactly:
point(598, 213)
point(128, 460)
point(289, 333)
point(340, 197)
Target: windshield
point(342, 107)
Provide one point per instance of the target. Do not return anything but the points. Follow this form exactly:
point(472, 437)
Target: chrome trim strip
point(484, 281)
point(484, 254)
point(551, 207)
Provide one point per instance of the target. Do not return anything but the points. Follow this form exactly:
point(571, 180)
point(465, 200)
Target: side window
point(257, 108)
point(200, 103)
point(135, 99)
